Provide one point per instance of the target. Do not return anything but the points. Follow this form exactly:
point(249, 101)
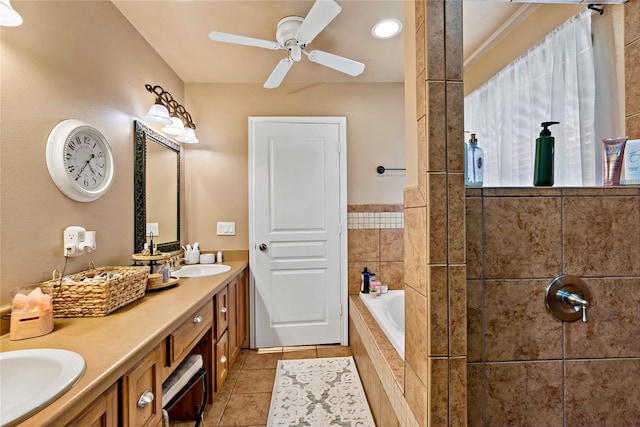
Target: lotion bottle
point(543, 166)
point(364, 287)
point(474, 163)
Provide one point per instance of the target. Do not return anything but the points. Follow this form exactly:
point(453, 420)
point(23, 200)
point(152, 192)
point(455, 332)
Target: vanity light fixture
point(174, 116)
point(8, 15)
point(176, 127)
point(188, 136)
point(386, 28)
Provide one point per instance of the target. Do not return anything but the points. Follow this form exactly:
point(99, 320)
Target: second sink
point(201, 270)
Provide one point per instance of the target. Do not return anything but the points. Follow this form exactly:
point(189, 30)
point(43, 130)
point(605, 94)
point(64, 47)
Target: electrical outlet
point(73, 236)
point(226, 228)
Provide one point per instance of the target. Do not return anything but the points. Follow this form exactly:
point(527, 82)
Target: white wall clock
point(80, 160)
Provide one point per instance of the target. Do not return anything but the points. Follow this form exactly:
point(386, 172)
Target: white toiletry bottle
point(219, 256)
point(474, 164)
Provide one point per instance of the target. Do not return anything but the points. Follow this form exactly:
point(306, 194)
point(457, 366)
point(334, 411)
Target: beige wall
point(68, 60)
point(217, 167)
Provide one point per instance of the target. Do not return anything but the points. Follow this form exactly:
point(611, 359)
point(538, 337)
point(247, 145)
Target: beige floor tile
point(213, 413)
point(301, 354)
point(247, 409)
point(255, 381)
point(262, 361)
point(333, 351)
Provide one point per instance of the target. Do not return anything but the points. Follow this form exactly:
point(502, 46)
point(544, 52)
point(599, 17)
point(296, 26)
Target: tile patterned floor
point(246, 395)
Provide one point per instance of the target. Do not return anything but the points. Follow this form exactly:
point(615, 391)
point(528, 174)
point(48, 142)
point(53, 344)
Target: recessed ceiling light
point(386, 29)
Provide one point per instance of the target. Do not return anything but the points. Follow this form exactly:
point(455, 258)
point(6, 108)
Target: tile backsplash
point(376, 241)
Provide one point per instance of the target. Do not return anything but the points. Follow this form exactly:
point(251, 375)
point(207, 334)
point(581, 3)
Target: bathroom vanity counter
point(113, 344)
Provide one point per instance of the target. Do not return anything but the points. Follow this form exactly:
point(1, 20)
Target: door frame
point(344, 289)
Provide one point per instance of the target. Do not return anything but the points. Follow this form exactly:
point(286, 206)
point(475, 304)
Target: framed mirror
point(156, 189)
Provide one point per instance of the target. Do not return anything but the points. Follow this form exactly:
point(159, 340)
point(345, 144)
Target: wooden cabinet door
point(142, 392)
point(241, 303)
point(103, 412)
point(234, 346)
point(222, 360)
point(222, 312)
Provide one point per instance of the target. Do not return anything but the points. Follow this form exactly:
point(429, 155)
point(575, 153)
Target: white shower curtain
point(552, 81)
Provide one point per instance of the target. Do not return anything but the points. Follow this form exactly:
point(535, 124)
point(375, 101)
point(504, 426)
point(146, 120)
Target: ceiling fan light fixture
point(8, 15)
point(386, 28)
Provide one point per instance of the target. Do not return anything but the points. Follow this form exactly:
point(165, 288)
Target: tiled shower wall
point(525, 367)
point(376, 236)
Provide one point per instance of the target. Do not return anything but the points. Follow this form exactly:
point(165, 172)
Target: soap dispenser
point(543, 166)
point(474, 163)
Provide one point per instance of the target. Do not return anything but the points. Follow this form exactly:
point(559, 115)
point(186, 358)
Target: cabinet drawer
point(103, 412)
point(222, 360)
point(185, 336)
point(142, 393)
point(222, 312)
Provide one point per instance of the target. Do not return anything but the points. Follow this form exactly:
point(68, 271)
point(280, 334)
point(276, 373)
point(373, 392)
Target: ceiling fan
point(294, 34)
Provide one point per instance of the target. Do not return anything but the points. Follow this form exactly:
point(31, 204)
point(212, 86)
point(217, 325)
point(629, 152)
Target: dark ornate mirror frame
point(143, 134)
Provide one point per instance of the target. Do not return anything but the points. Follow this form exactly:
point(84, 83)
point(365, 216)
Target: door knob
point(263, 247)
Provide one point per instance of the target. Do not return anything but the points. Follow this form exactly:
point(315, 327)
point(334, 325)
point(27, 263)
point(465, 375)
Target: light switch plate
point(152, 227)
point(226, 228)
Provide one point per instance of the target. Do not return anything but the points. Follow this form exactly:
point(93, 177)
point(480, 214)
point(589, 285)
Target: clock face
point(79, 160)
point(85, 160)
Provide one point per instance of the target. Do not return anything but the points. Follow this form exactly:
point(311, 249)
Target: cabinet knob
point(223, 359)
point(223, 310)
point(198, 319)
point(145, 399)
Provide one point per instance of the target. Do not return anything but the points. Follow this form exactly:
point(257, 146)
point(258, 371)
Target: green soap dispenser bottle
point(543, 166)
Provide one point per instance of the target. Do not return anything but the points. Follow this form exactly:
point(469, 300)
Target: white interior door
point(298, 230)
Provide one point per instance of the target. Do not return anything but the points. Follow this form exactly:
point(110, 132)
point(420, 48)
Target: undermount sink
point(201, 270)
point(31, 379)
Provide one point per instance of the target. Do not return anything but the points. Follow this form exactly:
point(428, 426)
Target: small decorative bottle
point(474, 166)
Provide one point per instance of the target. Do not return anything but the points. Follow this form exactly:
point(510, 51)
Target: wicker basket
point(96, 292)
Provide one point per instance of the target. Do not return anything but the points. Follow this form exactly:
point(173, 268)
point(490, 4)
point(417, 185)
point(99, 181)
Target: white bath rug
point(319, 393)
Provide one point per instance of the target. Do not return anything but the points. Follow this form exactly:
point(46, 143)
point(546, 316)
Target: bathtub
point(388, 310)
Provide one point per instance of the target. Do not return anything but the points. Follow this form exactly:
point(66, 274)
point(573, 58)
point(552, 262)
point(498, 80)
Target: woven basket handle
point(56, 275)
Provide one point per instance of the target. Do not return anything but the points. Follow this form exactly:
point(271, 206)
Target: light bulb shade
point(175, 128)
point(8, 15)
point(188, 136)
point(158, 113)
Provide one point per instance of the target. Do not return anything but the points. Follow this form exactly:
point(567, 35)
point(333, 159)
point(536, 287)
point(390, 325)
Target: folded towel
point(165, 418)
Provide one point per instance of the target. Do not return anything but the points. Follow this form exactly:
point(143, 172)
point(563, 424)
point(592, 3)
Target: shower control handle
point(567, 298)
point(575, 300)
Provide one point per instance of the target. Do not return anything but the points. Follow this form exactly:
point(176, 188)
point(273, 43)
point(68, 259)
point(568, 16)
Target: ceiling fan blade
point(278, 74)
point(339, 63)
point(321, 14)
point(219, 36)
